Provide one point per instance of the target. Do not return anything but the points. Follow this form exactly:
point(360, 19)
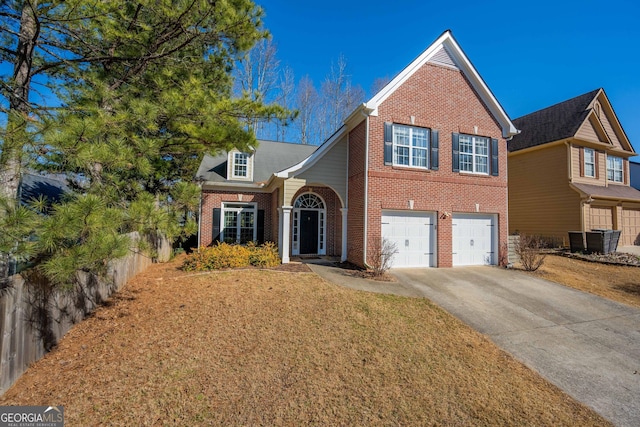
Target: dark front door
point(308, 232)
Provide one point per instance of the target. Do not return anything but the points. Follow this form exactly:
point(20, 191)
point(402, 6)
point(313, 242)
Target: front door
point(308, 232)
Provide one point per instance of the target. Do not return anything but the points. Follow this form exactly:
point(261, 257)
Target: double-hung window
point(240, 165)
point(614, 169)
point(589, 162)
point(474, 154)
point(410, 146)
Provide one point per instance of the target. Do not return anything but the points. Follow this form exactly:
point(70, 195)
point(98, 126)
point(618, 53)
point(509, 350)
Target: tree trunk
point(16, 131)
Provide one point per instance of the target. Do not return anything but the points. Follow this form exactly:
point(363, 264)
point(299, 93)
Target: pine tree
point(145, 89)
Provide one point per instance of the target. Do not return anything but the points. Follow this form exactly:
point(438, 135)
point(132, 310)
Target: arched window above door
point(309, 201)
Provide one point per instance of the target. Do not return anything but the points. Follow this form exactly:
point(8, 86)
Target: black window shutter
point(216, 225)
point(494, 157)
point(260, 231)
point(435, 147)
point(388, 143)
point(455, 152)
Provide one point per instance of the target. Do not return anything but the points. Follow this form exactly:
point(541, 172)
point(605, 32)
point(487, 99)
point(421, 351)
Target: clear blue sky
point(532, 54)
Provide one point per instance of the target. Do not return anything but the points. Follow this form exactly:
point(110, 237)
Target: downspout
point(366, 188)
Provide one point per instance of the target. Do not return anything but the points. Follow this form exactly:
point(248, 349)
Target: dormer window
point(240, 166)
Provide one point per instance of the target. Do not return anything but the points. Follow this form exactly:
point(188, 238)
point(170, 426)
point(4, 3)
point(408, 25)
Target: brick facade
point(214, 199)
point(439, 98)
point(356, 203)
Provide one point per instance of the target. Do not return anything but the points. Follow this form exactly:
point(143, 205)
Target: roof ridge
point(556, 105)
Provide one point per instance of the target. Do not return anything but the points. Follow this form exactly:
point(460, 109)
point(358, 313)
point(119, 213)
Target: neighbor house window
point(238, 223)
point(614, 169)
point(240, 165)
point(589, 162)
point(410, 146)
point(474, 154)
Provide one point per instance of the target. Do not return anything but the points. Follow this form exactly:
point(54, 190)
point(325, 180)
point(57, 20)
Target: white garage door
point(474, 239)
point(414, 234)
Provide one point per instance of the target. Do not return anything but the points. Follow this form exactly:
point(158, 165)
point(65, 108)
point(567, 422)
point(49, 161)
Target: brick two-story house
point(569, 171)
point(421, 164)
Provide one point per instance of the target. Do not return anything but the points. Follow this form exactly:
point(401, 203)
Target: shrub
point(529, 249)
point(225, 255)
point(264, 256)
point(381, 255)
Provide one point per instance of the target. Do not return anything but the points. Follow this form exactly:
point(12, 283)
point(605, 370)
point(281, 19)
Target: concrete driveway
point(586, 345)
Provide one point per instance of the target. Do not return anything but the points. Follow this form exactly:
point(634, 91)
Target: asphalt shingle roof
point(553, 123)
point(269, 157)
point(611, 191)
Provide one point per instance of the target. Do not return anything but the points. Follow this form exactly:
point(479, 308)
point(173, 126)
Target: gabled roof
point(444, 50)
point(553, 123)
point(563, 120)
point(269, 157)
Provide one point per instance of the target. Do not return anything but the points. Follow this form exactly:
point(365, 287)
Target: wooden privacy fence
point(33, 317)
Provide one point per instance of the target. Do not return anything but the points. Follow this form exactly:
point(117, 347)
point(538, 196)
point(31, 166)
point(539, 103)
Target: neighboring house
point(33, 186)
point(634, 174)
point(422, 164)
point(569, 171)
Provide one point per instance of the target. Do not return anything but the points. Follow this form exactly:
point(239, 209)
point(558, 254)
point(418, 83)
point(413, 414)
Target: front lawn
point(257, 347)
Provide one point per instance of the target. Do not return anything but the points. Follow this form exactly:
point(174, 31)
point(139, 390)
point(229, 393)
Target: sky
point(531, 54)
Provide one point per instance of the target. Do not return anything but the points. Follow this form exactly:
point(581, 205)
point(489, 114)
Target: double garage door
point(474, 238)
point(602, 218)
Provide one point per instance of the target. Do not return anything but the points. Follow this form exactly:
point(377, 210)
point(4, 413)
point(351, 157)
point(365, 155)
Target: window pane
point(465, 146)
point(481, 146)
point(420, 137)
point(481, 164)
point(466, 162)
point(419, 157)
point(402, 156)
point(230, 226)
point(246, 227)
point(401, 135)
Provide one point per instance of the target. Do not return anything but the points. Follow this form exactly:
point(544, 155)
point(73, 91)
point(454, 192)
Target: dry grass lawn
point(279, 348)
point(618, 283)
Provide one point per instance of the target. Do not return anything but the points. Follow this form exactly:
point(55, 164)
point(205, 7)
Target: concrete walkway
point(586, 345)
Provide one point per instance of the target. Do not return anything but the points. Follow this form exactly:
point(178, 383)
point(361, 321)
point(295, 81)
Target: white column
point(343, 256)
point(280, 232)
point(286, 227)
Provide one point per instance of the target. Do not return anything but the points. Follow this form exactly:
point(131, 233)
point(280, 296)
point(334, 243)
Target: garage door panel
point(630, 227)
point(413, 233)
point(474, 240)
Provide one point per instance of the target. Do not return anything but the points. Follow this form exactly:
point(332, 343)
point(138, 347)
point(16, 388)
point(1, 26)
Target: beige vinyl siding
point(330, 170)
point(291, 187)
point(601, 164)
point(589, 132)
point(613, 136)
point(540, 199)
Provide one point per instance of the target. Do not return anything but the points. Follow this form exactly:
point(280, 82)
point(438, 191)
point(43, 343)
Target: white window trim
point(238, 207)
point(322, 226)
point(410, 146)
point(474, 138)
point(613, 170)
point(592, 163)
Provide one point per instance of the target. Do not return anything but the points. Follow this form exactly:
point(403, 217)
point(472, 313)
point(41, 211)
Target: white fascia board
point(314, 157)
point(232, 186)
point(447, 40)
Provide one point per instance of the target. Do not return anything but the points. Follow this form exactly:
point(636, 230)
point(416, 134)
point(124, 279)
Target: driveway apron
point(586, 345)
